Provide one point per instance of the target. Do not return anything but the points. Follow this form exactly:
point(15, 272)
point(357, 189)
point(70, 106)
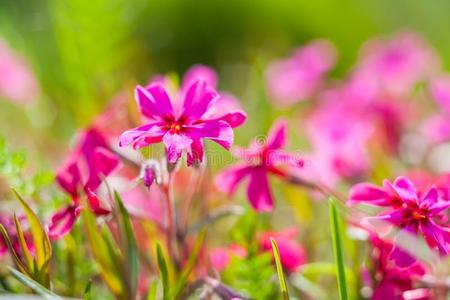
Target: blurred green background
point(84, 52)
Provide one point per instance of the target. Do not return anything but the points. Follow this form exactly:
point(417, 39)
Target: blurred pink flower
point(259, 160)
point(296, 78)
point(220, 257)
point(292, 254)
point(395, 65)
point(392, 281)
point(409, 210)
point(437, 127)
point(83, 171)
point(183, 128)
point(17, 82)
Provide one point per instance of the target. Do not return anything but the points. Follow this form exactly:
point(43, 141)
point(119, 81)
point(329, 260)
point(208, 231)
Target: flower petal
point(197, 100)
point(175, 144)
point(215, 130)
point(199, 72)
point(69, 178)
point(436, 236)
point(142, 136)
point(368, 193)
point(430, 197)
point(405, 189)
point(227, 181)
point(153, 101)
point(258, 191)
point(62, 221)
point(103, 163)
point(438, 207)
point(276, 138)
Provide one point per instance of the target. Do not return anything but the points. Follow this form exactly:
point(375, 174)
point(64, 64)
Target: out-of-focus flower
point(397, 64)
point(83, 172)
point(183, 128)
point(292, 254)
point(437, 127)
point(17, 82)
point(338, 151)
point(392, 281)
point(259, 160)
point(298, 77)
point(220, 257)
point(410, 210)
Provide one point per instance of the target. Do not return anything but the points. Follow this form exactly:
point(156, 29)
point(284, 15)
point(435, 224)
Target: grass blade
point(20, 265)
point(163, 272)
point(127, 235)
point(281, 279)
point(151, 294)
point(23, 244)
point(338, 250)
point(87, 291)
point(36, 287)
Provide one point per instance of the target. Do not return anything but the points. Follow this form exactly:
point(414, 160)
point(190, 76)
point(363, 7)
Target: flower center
point(417, 215)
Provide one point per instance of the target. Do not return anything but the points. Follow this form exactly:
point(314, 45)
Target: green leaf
point(127, 235)
point(338, 251)
point(281, 279)
point(23, 245)
point(190, 265)
point(36, 287)
point(40, 237)
point(105, 254)
point(151, 295)
point(163, 272)
point(87, 291)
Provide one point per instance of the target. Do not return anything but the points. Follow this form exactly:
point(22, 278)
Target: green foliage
point(35, 286)
point(338, 250)
point(281, 279)
point(164, 274)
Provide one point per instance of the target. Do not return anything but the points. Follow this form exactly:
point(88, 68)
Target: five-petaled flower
point(410, 210)
point(82, 174)
point(183, 128)
point(259, 160)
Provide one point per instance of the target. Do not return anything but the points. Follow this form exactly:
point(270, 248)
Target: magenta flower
point(292, 254)
point(259, 160)
point(392, 282)
point(184, 128)
point(82, 174)
point(17, 82)
point(220, 257)
point(8, 222)
point(397, 64)
point(437, 127)
point(296, 78)
point(410, 210)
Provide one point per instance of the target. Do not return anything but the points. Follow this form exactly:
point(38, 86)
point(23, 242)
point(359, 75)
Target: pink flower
point(259, 160)
point(392, 281)
point(397, 64)
point(437, 127)
point(292, 254)
point(410, 210)
point(83, 172)
point(17, 82)
point(8, 222)
point(220, 257)
point(185, 127)
point(296, 78)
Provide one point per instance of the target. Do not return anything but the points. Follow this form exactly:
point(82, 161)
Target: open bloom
point(410, 210)
point(82, 174)
point(182, 127)
point(292, 254)
point(296, 78)
point(259, 160)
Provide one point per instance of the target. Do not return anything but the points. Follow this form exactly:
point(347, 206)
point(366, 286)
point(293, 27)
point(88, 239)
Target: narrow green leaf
point(20, 265)
point(23, 244)
point(190, 265)
point(163, 272)
point(87, 291)
point(104, 253)
point(281, 279)
point(151, 295)
point(338, 251)
point(36, 287)
point(40, 237)
point(131, 252)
